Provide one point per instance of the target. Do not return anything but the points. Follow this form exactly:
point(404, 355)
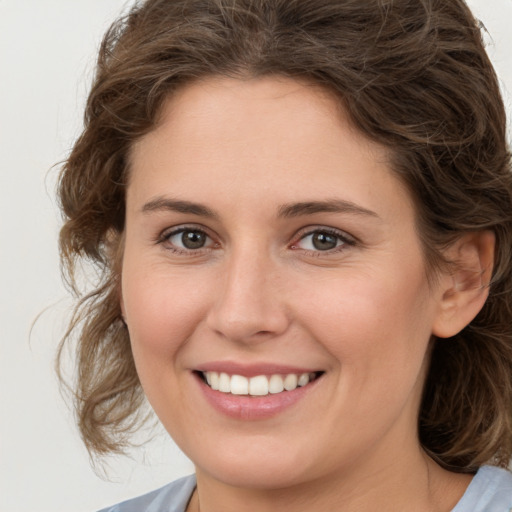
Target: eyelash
point(342, 237)
point(165, 237)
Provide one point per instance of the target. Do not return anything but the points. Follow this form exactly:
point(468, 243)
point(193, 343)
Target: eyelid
point(165, 236)
point(308, 230)
point(347, 239)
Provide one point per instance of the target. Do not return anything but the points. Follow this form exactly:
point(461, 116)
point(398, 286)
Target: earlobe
point(465, 289)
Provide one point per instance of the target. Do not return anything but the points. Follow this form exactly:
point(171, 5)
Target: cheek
point(162, 311)
point(377, 321)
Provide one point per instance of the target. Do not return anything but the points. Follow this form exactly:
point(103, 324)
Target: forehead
point(241, 137)
point(236, 111)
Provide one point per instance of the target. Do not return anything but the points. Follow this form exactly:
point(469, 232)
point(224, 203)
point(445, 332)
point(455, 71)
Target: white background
point(47, 52)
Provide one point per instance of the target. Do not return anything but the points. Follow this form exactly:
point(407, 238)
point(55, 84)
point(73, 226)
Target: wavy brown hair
point(412, 75)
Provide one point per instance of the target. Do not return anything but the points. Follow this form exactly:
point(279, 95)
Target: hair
point(412, 75)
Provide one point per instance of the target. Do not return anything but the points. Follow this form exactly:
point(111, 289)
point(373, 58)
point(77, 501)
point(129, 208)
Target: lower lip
point(249, 408)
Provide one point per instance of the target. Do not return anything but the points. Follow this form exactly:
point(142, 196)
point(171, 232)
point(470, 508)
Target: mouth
point(258, 385)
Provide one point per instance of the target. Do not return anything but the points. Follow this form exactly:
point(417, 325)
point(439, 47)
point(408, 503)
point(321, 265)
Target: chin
point(263, 467)
point(257, 476)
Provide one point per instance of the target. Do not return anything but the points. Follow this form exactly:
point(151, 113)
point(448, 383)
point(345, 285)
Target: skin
point(259, 291)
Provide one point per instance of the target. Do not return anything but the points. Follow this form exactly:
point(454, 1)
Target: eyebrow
point(180, 206)
point(329, 206)
point(289, 210)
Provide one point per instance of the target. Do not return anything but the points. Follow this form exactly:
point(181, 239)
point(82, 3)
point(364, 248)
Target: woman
point(301, 216)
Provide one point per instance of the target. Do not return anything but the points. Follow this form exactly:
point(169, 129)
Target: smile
point(259, 385)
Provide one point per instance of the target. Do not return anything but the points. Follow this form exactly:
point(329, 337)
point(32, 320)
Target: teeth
point(275, 384)
point(224, 383)
point(303, 379)
point(239, 385)
point(260, 385)
point(214, 380)
point(290, 382)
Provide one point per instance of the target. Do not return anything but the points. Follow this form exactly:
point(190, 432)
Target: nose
point(249, 305)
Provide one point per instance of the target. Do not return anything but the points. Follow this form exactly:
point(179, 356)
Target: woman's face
point(268, 240)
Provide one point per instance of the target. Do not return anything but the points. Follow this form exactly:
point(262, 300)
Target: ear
point(464, 290)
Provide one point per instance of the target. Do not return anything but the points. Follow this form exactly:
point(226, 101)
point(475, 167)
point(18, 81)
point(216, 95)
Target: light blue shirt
point(489, 491)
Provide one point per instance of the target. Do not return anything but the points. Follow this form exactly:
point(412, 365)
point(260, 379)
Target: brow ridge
point(288, 210)
point(178, 205)
point(328, 206)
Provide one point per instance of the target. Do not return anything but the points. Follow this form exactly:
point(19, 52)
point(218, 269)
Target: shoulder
point(489, 491)
point(171, 498)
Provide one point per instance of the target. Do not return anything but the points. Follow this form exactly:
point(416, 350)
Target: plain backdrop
point(47, 53)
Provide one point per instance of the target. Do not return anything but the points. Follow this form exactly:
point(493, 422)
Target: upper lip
point(252, 370)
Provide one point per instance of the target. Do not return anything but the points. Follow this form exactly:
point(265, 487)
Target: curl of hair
point(412, 75)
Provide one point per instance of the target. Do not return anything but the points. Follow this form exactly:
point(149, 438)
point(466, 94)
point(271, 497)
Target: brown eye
point(188, 239)
point(193, 239)
point(324, 241)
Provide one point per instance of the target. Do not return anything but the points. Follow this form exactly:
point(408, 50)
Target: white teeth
point(303, 379)
point(239, 385)
point(260, 385)
point(224, 383)
point(275, 384)
point(214, 380)
point(290, 382)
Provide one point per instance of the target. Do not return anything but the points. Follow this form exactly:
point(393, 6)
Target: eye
point(323, 240)
point(187, 239)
